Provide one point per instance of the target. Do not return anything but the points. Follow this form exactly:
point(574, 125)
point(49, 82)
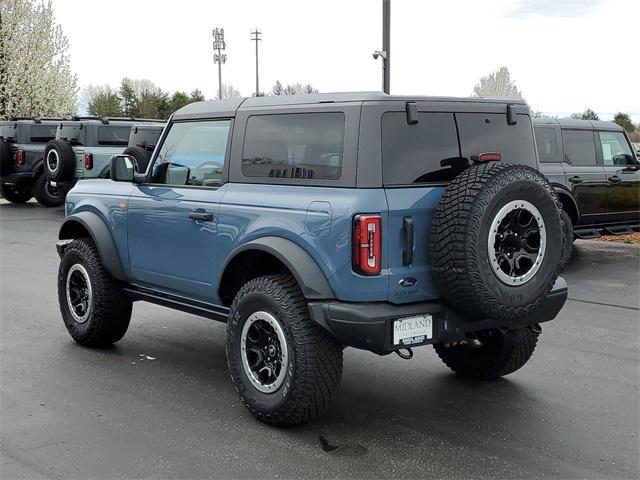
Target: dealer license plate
point(412, 330)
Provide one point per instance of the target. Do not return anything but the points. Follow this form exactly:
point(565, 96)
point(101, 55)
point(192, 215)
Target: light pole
point(256, 36)
point(385, 53)
point(219, 57)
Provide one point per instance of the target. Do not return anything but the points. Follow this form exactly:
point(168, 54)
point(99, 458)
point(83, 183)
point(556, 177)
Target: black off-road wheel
point(59, 161)
point(569, 237)
point(45, 193)
point(15, 194)
point(496, 241)
point(140, 156)
point(94, 307)
point(491, 354)
point(284, 366)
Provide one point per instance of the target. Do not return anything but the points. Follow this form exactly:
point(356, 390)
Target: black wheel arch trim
point(562, 191)
point(101, 237)
point(303, 267)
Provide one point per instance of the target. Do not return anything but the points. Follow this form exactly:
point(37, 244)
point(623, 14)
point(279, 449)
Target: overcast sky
point(565, 55)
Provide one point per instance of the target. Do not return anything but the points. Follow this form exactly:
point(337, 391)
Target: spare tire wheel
point(140, 155)
point(496, 241)
point(59, 161)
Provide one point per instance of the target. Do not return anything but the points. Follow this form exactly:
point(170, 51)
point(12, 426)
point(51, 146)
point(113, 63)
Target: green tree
point(196, 96)
point(588, 114)
point(153, 105)
point(179, 100)
point(35, 74)
point(497, 84)
point(624, 121)
point(103, 101)
point(128, 98)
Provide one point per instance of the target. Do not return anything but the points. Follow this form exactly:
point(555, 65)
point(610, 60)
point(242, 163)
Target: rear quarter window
point(113, 135)
point(42, 133)
point(305, 146)
point(415, 153)
point(489, 132)
point(547, 144)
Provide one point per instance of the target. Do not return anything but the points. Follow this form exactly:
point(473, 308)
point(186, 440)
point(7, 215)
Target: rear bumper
point(369, 326)
point(18, 179)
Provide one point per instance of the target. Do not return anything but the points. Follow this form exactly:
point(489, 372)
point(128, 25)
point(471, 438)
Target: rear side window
point(42, 133)
point(547, 144)
point(417, 153)
point(615, 149)
point(112, 135)
point(193, 154)
point(489, 132)
point(300, 145)
point(579, 147)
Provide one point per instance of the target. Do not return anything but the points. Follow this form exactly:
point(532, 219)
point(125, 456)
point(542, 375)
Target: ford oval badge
point(407, 282)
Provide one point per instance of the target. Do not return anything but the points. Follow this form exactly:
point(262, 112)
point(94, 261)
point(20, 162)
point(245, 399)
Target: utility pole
point(386, 47)
point(256, 36)
point(219, 57)
point(385, 53)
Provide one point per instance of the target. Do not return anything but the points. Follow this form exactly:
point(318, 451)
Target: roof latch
point(511, 115)
point(412, 113)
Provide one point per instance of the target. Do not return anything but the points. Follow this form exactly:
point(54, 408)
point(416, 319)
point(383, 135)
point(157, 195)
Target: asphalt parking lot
point(160, 403)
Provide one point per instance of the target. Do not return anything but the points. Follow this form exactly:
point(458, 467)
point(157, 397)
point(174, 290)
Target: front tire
point(491, 354)
point(283, 365)
point(94, 307)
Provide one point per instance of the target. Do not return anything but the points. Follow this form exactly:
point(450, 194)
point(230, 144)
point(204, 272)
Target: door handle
point(202, 216)
point(575, 179)
point(614, 179)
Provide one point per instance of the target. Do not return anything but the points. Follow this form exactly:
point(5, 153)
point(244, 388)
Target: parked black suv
point(595, 172)
point(22, 144)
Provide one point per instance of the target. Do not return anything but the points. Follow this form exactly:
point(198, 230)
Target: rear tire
point(568, 239)
point(493, 354)
point(59, 161)
point(45, 193)
point(14, 194)
point(94, 307)
point(292, 377)
point(140, 155)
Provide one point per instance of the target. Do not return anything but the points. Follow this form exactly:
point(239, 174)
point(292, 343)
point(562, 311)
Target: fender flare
point(562, 191)
point(303, 267)
point(101, 237)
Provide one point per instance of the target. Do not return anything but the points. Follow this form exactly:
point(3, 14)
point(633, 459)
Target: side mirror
point(123, 168)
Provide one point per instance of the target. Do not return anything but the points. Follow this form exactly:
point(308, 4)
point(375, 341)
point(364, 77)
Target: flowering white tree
point(497, 84)
point(35, 77)
point(228, 91)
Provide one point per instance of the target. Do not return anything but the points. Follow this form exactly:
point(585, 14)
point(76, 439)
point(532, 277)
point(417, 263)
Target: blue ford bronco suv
point(310, 223)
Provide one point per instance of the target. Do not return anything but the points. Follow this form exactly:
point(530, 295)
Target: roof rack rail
point(75, 118)
point(135, 119)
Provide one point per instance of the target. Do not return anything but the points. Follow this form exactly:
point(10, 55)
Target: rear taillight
point(489, 157)
point(21, 157)
point(367, 244)
point(88, 161)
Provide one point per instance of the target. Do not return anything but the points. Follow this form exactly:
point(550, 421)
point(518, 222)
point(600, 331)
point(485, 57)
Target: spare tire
point(5, 158)
point(496, 241)
point(140, 155)
point(59, 161)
